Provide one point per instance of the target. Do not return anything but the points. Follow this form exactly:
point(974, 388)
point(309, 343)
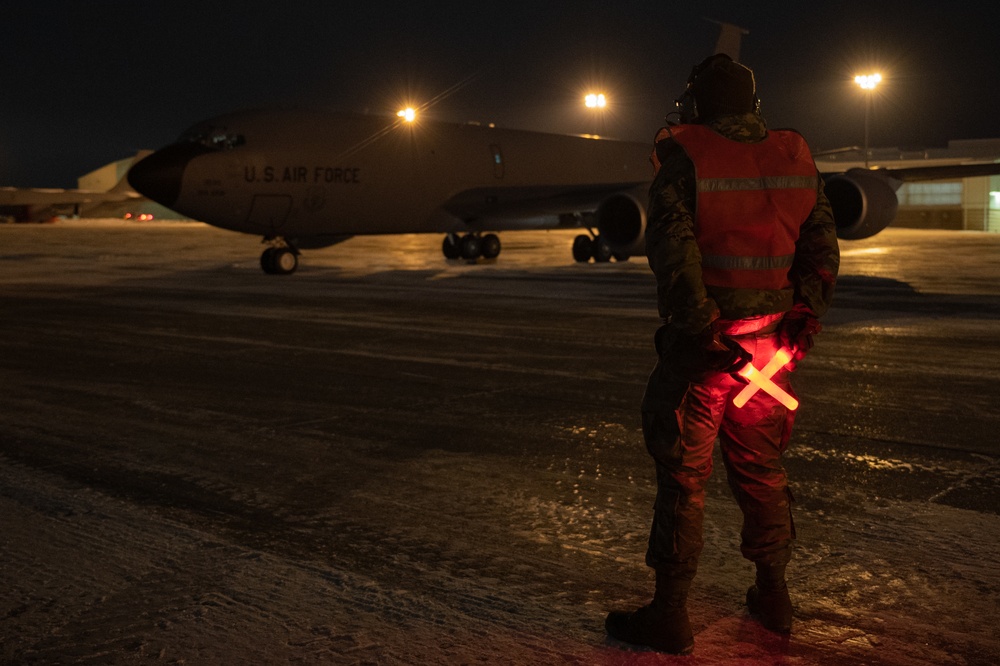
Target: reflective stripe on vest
point(752, 201)
point(747, 263)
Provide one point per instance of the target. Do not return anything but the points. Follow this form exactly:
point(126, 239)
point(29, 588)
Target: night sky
point(83, 83)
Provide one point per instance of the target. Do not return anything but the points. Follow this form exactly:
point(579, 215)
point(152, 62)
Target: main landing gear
point(279, 259)
point(594, 247)
point(471, 246)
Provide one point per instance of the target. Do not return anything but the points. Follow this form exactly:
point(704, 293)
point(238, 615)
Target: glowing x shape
point(761, 380)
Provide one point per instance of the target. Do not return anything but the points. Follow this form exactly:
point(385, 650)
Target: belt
point(735, 327)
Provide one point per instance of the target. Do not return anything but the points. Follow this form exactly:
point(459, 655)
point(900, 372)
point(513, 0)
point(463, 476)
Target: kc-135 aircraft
point(306, 179)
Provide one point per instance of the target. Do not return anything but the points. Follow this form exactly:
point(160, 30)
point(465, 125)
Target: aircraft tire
point(267, 261)
point(451, 247)
point(284, 261)
point(490, 246)
point(602, 251)
point(472, 247)
point(583, 248)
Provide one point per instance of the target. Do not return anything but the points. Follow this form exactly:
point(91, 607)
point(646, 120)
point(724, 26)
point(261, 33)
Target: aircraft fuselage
point(314, 174)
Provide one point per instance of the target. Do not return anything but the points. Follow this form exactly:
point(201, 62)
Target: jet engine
point(621, 222)
point(864, 202)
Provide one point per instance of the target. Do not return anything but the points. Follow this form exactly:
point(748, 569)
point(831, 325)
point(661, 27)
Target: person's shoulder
point(794, 142)
point(674, 161)
point(670, 134)
point(669, 152)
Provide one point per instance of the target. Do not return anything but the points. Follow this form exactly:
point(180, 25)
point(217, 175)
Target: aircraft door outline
point(269, 212)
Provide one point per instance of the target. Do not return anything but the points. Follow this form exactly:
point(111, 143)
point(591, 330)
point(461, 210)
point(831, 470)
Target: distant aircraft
point(40, 204)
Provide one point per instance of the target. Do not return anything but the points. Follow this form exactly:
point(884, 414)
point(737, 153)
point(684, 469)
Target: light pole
point(868, 82)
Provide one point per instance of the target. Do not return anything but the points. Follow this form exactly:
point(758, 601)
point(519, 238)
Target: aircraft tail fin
point(730, 38)
point(122, 186)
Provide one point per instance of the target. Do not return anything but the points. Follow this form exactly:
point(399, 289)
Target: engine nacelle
point(864, 203)
point(621, 222)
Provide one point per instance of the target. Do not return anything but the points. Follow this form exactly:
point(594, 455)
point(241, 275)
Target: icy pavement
point(392, 459)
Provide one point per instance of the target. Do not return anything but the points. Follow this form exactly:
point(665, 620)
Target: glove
point(796, 333)
point(709, 352)
point(723, 354)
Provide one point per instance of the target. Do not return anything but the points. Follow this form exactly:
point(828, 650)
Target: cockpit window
point(216, 139)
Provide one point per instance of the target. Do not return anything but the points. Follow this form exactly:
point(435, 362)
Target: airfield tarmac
point(388, 458)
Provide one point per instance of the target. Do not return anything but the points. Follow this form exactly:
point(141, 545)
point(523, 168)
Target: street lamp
point(596, 102)
point(868, 82)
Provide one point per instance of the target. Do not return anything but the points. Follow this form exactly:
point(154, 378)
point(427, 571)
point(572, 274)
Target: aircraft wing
point(17, 196)
point(38, 204)
point(504, 203)
point(942, 172)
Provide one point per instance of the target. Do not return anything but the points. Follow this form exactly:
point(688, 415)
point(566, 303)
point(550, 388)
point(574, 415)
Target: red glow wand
point(761, 380)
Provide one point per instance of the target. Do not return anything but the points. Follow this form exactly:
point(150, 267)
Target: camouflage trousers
point(681, 421)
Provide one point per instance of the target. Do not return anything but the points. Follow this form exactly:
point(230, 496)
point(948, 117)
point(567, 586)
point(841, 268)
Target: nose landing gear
point(279, 260)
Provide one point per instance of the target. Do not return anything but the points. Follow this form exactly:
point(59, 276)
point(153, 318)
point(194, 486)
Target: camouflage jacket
point(683, 299)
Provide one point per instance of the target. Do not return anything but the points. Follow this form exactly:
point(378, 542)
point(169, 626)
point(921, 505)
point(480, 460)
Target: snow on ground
point(392, 459)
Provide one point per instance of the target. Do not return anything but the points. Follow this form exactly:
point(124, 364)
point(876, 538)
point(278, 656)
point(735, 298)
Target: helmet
point(718, 87)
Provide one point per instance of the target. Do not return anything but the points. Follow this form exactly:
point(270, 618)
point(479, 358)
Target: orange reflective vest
point(752, 200)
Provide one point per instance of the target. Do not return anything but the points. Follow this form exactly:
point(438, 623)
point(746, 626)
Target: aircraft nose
point(159, 175)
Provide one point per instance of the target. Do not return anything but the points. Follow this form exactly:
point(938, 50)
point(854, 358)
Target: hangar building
point(971, 204)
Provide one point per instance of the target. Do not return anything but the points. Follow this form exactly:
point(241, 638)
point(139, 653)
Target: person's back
point(743, 245)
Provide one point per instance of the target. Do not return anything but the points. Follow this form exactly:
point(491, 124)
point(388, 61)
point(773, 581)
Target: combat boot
point(662, 624)
point(767, 599)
